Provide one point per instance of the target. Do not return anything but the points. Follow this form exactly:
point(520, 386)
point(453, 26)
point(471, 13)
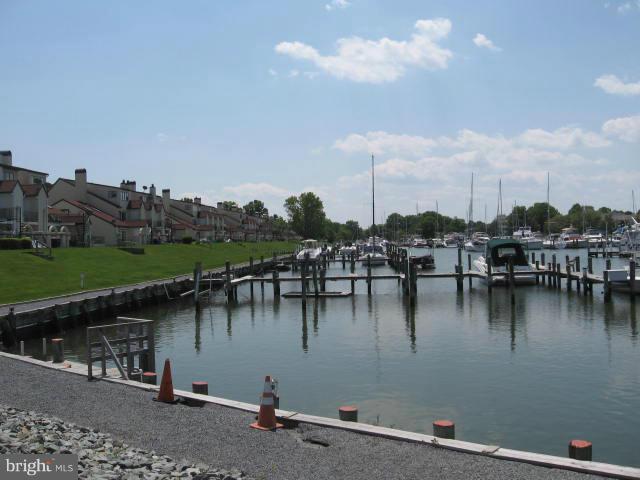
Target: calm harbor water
point(531, 375)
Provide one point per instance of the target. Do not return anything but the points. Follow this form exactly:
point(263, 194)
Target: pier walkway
point(221, 436)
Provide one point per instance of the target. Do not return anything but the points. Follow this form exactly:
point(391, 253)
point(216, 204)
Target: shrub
point(15, 243)
point(187, 240)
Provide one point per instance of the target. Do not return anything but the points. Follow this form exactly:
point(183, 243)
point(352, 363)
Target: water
point(553, 367)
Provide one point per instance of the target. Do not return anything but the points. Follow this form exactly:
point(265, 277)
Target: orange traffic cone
point(267, 413)
point(166, 385)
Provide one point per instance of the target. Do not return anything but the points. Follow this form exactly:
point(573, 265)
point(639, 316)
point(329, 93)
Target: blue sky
point(242, 100)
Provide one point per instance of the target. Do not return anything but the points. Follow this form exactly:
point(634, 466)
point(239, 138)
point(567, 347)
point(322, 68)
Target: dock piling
point(444, 429)
point(348, 413)
point(580, 450)
point(57, 349)
point(470, 278)
point(632, 279)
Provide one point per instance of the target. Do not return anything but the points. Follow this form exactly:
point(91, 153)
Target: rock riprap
point(99, 455)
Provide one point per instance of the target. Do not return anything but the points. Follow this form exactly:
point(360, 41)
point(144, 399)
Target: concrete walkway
point(221, 437)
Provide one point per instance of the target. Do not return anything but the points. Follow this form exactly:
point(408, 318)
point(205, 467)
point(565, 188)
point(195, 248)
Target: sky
point(236, 100)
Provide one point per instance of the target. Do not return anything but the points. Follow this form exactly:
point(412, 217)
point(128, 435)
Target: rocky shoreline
point(100, 456)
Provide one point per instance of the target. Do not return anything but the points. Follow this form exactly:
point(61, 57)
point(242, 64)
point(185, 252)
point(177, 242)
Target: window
point(37, 180)
point(8, 175)
point(124, 196)
point(113, 194)
point(123, 215)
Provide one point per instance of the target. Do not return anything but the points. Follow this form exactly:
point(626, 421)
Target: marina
point(453, 343)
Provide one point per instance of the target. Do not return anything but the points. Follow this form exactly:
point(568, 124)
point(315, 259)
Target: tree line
point(306, 217)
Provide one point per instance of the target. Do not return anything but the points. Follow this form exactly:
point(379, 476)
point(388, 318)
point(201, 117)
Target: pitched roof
point(32, 189)
point(7, 186)
point(105, 216)
point(13, 167)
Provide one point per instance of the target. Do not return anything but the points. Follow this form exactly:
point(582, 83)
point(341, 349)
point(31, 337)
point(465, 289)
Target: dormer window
point(124, 196)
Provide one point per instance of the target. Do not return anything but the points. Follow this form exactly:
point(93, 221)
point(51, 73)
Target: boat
point(347, 250)
point(630, 240)
point(500, 251)
point(310, 247)
point(553, 242)
point(526, 237)
point(426, 262)
point(419, 242)
point(594, 238)
point(438, 243)
point(454, 240)
point(373, 253)
point(572, 239)
point(477, 242)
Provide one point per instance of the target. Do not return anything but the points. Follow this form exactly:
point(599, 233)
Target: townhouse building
point(23, 199)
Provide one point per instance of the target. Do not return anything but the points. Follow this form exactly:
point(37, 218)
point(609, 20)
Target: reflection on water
point(528, 373)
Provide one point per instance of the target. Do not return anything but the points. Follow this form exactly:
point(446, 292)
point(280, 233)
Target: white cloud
point(161, 137)
point(379, 61)
point(255, 190)
point(293, 73)
point(612, 84)
point(273, 73)
point(337, 4)
point(625, 7)
point(482, 41)
point(562, 138)
point(382, 142)
point(624, 128)
point(311, 75)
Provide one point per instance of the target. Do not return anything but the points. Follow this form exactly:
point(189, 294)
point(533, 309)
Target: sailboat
point(372, 252)
point(476, 241)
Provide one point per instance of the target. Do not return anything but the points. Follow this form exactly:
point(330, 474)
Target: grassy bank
point(25, 277)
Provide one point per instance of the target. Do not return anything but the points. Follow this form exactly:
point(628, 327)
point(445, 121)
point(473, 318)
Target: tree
point(306, 214)
point(228, 204)
point(255, 207)
point(537, 216)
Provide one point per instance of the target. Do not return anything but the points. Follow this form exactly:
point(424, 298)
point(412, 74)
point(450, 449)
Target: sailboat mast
point(548, 208)
point(373, 202)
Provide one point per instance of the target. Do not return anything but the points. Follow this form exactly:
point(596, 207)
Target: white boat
point(310, 247)
point(500, 250)
point(630, 240)
point(438, 243)
point(419, 242)
point(594, 238)
point(553, 242)
point(347, 250)
point(477, 242)
point(528, 240)
point(454, 240)
point(373, 253)
point(572, 239)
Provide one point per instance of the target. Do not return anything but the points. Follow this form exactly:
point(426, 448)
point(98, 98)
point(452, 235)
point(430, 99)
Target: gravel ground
point(221, 436)
point(100, 457)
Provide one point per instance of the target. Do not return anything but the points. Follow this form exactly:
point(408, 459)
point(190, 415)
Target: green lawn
point(26, 277)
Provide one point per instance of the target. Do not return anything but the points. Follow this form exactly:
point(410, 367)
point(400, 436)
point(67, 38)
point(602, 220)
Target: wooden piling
point(57, 349)
point(632, 279)
point(568, 271)
point(459, 277)
point(489, 274)
point(606, 287)
point(227, 286)
point(323, 281)
point(314, 268)
point(368, 274)
point(303, 278)
point(250, 273)
point(276, 284)
point(537, 264)
point(543, 263)
point(344, 263)
point(469, 262)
